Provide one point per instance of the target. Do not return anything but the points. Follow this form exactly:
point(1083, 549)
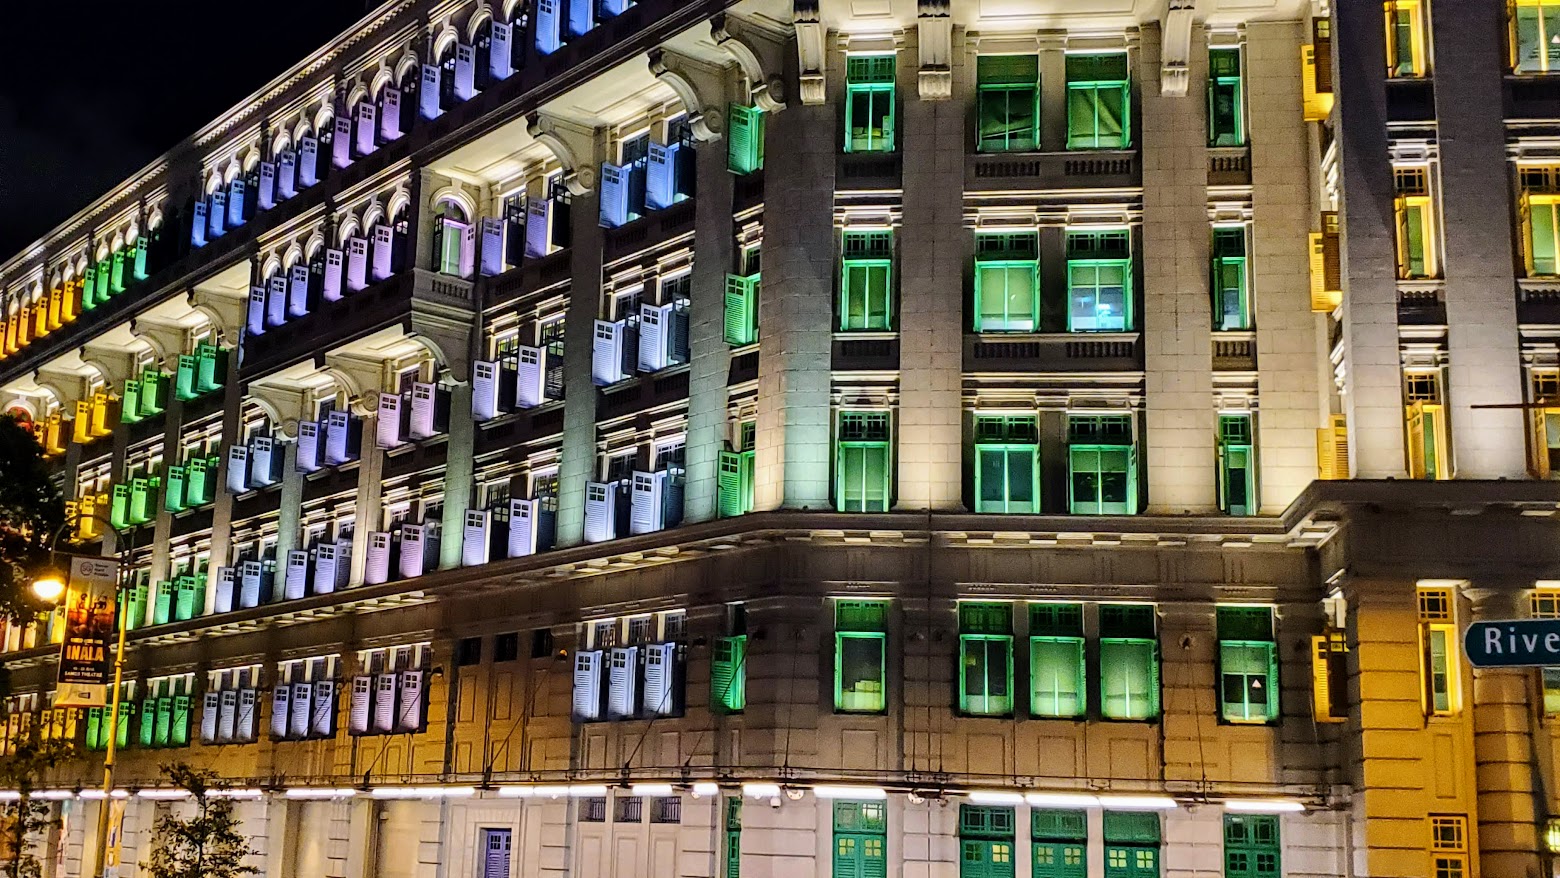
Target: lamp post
point(50, 586)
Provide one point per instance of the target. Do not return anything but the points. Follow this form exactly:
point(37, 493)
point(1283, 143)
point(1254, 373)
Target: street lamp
point(49, 585)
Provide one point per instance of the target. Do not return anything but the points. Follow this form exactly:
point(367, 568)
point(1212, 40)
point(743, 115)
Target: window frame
point(1095, 88)
point(867, 266)
point(1253, 846)
point(872, 89)
point(856, 702)
point(1242, 646)
point(843, 449)
point(977, 639)
point(1236, 135)
point(1545, 63)
point(1127, 640)
point(1417, 64)
point(1064, 629)
point(1229, 446)
point(1220, 290)
point(1007, 90)
point(1440, 677)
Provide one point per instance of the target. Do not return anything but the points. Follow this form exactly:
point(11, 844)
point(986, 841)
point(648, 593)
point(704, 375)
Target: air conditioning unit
point(332, 564)
point(376, 568)
point(254, 322)
point(383, 250)
point(266, 458)
point(309, 457)
point(623, 682)
point(430, 414)
point(281, 698)
point(341, 142)
point(276, 301)
point(662, 695)
point(388, 430)
point(357, 263)
point(614, 351)
point(299, 706)
point(298, 291)
point(474, 545)
point(295, 583)
point(330, 283)
point(367, 127)
point(390, 119)
point(343, 438)
point(227, 581)
point(412, 707)
point(251, 578)
point(384, 703)
point(361, 706)
point(322, 719)
point(587, 685)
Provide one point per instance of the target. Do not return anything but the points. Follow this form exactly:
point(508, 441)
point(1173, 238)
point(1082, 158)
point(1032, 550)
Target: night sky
point(95, 90)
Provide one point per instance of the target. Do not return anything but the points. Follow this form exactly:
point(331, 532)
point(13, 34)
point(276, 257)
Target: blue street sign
point(1517, 643)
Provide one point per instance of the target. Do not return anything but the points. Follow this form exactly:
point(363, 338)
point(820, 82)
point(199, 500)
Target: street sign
point(1515, 643)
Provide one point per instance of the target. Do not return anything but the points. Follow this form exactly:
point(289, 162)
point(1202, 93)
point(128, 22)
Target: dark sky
point(93, 90)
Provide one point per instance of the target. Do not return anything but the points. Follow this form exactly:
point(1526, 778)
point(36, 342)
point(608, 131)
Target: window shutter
point(728, 674)
point(738, 319)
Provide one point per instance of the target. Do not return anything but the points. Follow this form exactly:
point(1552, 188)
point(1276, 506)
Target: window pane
point(1021, 480)
point(1112, 115)
point(1056, 674)
point(1531, 52)
point(1440, 672)
point(1081, 131)
point(1129, 685)
point(1113, 476)
point(1542, 245)
point(1243, 669)
point(992, 464)
point(1085, 465)
point(875, 479)
point(860, 672)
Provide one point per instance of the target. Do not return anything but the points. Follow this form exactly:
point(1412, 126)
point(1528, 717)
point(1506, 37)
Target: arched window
point(454, 244)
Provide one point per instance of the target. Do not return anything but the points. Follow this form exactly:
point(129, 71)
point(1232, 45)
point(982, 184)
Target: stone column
point(1177, 321)
point(1477, 214)
point(578, 460)
point(1503, 750)
point(1373, 380)
point(459, 465)
point(709, 357)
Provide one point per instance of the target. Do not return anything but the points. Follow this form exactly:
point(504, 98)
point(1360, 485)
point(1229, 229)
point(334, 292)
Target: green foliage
point(27, 818)
point(206, 844)
point(31, 512)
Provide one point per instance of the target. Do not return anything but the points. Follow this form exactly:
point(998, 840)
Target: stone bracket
point(811, 56)
point(703, 89)
point(934, 26)
point(226, 313)
point(446, 332)
point(116, 364)
point(166, 339)
point(760, 54)
point(1175, 53)
point(283, 405)
point(67, 387)
point(361, 377)
point(572, 144)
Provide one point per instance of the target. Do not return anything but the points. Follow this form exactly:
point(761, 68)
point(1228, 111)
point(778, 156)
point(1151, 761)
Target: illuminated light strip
point(651, 789)
point(850, 792)
point(706, 788)
point(1263, 806)
point(760, 790)
point(320, 793)
point(98, 794)
point(1138, 803)
point(994, 797)
point(9, 795)
point(162, 794)
point(423, 792)
point(54, 795)
point(1061, 800)
point(235, 794)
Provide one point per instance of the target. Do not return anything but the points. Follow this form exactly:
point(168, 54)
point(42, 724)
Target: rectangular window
point(1540, 213)
point(1231, 302)
point(1061, 843)
point(1544, 424)
point(866, 280)
point(860, 840)
point(1329, 677)
point(741, 314)
point(862, 463)
point(1405, 29)
point(1056, 661)
point(1237, 466)
point(1007, 282)
point(1099, 102)
point(1438, 651)
point(1251, 846)
point(985, 842)
point(1131, 844)
point(1448, 845)
point(735, 479)
point(869, 103)
point(1545, 604)
point(733, 838)
point(1535, 36)
point(1129, 662)
point(1007, 464)
point(1226, 115)
point(1248, 665)
point(1102, 465)
point(860, 656)
point(744, 139)
point(1007, 103)
point(1416, 226)
point(1429, 456)
point(985, 658)
point(1099, 281)
point(495, 853)
point(728, 671)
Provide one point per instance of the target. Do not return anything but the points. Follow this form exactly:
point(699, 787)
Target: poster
point(85, 655)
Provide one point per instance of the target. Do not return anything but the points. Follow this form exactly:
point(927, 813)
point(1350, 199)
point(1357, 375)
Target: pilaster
point(578, 459)
point(710, 358)
point(1503, 735)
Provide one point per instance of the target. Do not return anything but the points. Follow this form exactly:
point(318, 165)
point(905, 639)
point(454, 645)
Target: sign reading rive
point(1518, 643)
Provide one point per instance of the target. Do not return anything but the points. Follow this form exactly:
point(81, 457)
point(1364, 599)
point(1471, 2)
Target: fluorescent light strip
point(423, 792)
point(320, 793)
point(516, 792)
point(1061, 800)
point(235, 794)
point(54, 795)
point(760, 790)
point(651, 789)
point(1263, 806)
point(994, 797)
point(9, 795)
point(1138, 803)
point(163, 794)
point(850, 792)
point(706, 788)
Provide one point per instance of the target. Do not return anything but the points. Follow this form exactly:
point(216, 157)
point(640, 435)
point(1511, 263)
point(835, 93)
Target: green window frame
point(744, 139)
point(860, 656)
point(735, 477)
point(728, 674)
point(1099, 101)
point(986, 842)
point(1237, 465)
point(985, 658)
point(867, 281)
point(869, 103)
point(1007, 282)
point(741, 311)
point(733, 837)
point(1007, 99)
point(1251, 846)
point(1230, 279)
point(1248, 665)
point(1058, 680)
point(860, 840)
point(1099, 281)
point(1129, 662)
point(1132, 840)
point(1060, 840)
point(1102, 465)
point(1226, 112)
point(1543, 232)
point(1007, 464)
point(863, 462)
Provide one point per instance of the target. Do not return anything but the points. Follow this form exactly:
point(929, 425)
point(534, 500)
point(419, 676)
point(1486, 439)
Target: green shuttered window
point(1248, 665)
point(860, 656)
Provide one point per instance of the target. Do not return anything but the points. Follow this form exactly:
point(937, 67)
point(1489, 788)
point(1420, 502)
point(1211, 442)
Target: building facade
point(602, 438)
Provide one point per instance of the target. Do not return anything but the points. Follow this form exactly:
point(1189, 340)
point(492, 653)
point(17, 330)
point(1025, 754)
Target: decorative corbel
point(1175, 52)
point(226, 313)
point(285, 406)
point(68, 388)
point(702, 88)
point(114, 363)
point(810, 54)
point(934, 29)
point(363, 379)
point(165, 339)
point(572, 144)
point(760, 54)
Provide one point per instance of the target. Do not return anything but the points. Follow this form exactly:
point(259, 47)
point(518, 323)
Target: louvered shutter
point(660, 695)
point(330, 285)
point(377, 567)
point(209, 710)
point(623, 682)
point(244, 722)
point(322, 719)
point(226, 582)
point(362, 699)
point(600, 517)
point(387, 430)
point(614, 195)
point(281, 697)
point(645, 499)
point(384, 703)
point(226, 727)
point(237, 469)
point(411, 705)
point(357, 263)
point(522, 528)
point(474, 538)
point(296, 581)
point(587, 685)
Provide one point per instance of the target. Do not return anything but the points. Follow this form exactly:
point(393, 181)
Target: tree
point(25, 817)
point(206, 844)
point(31, 512)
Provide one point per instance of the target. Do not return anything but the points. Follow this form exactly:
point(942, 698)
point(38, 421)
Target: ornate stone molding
point(1175, 53)
point(703, 89)
point(572, 144)
point(934, 26)
point(811, 57)
point(760, 54)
